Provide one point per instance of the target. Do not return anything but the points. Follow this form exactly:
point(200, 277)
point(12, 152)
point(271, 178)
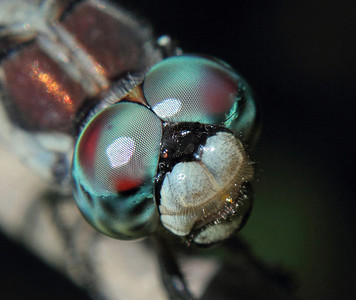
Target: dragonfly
point(149, 141)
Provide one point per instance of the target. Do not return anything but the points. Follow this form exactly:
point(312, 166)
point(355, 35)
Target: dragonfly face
point(162, 142)
point(168, 153)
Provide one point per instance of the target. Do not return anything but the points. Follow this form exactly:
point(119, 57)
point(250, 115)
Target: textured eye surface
point(114, 167)
point(191, 89)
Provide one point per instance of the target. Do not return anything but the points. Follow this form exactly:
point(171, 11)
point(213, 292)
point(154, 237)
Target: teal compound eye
point(136, 167)
point(192, 88)
point(114, 169)
point(186, 89)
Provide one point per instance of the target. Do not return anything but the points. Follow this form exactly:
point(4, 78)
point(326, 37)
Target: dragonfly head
point(178, 160)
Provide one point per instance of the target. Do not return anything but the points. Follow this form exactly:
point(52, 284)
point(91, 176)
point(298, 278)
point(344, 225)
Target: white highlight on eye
point(120, 151)
point(167, 108)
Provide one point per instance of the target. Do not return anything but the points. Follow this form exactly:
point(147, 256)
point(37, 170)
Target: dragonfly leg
point(172, 277)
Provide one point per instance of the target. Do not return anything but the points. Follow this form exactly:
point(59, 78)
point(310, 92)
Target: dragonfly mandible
point(151, 141)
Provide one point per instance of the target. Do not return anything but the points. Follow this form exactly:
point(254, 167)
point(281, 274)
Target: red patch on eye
point(127, 184)
point(220, 93)
point(88, 147)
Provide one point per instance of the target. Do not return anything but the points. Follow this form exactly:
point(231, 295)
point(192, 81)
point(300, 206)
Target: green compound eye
point(191, 89)
point(179, 161)
point(114, 168)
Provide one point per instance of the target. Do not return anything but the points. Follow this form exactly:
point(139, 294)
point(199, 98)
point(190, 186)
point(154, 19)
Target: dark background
point(299, 56)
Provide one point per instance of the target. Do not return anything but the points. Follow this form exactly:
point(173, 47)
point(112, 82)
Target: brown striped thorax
point(147, 137)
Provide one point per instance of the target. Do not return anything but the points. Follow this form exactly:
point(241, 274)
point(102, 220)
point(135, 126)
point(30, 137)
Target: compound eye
point(191, 89)
point(114, 167)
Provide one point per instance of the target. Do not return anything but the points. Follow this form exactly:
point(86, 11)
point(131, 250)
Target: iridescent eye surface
point(179, 161)
point(114, 168)
point(191, 89)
